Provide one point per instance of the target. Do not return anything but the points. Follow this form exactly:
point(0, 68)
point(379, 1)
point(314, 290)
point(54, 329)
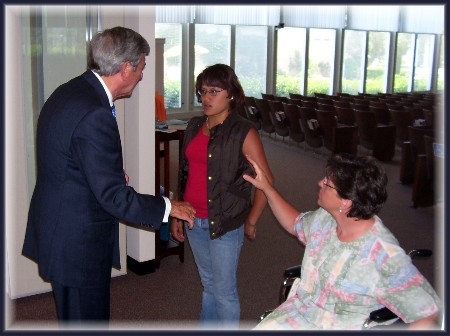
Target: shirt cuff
point(168, 209)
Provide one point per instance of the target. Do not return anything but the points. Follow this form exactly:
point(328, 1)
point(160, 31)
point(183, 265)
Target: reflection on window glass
point(423, 66)
point(65, 32)
point(251, 58)
point(64, 47)
point(353, 61)
point(66, 41)
point(322, 44)
point(441, 68)
point(377, 62)
point(172, 62)
point(290, 61)
point(212, 46)
point(54, 41)
point(404, 62)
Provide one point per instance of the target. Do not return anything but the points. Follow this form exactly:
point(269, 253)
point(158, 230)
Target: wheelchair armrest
point(293, 272)
point(382, 315)
point(420, 253)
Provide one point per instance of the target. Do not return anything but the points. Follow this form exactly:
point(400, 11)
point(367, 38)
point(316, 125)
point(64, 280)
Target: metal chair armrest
point(420, 253)
point(293, 272)
point(379, 316)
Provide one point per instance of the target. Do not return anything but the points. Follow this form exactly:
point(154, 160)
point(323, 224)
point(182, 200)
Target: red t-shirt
point(195, 191)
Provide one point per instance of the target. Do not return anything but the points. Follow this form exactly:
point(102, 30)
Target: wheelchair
point(377, 319)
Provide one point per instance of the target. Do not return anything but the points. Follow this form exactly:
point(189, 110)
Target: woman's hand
point(284, 212)
point(250, 231)
point(260, 181)
point(177, 230)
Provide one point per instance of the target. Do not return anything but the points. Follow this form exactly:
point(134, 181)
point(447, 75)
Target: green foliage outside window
point(401, 81)
point(171, 93)
point(352, 86)
point(375, 85)
point(287, 84)
point(318, 86)
point(375, 73)
point(251, 86)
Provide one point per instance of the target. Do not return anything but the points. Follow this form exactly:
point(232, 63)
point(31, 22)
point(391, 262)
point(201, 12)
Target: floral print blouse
point(342, 282)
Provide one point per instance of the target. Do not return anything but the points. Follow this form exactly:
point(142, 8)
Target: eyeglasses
point(212, 92)
point(325, 183)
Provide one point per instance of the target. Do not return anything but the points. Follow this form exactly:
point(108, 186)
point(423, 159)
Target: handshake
point(184, 211)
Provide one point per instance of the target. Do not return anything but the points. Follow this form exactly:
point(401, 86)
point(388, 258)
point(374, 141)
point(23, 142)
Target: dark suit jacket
point(80, 192)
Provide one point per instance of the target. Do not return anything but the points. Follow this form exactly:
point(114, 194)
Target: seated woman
point(352, 263)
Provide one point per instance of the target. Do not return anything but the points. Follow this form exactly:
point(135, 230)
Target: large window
point(353, 61)
point(414, 62)
point(172, 33)
point(377, 62)
point(291, 46)
point(423, 62)
point(297, 58)
point(212, 46)
point(404, 62)
point(322, 44)
point(251, 58)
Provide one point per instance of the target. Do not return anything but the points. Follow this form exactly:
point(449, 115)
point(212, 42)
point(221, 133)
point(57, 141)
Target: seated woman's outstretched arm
point(282, 209)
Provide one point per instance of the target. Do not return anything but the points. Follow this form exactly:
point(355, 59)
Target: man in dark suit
point(81, 190)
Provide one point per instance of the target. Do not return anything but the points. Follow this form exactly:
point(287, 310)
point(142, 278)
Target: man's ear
point(125, 70)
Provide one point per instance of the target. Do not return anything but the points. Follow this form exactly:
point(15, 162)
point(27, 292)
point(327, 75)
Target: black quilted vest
point(228, 194)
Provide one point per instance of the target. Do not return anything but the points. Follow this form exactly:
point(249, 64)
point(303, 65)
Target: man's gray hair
point(109, 49)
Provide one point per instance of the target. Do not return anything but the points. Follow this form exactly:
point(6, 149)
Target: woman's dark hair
point(362, 180)
point(224, 77)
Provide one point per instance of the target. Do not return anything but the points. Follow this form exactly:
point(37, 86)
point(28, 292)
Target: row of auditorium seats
point(379, 123)
point(419, 163)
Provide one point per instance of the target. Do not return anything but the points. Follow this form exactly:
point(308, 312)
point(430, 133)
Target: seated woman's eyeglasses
point(212, 92)
point(325, 183)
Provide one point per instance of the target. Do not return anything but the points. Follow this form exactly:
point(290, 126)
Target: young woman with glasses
point(213, 160)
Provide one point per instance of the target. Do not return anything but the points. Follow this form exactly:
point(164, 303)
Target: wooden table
point(164, 137)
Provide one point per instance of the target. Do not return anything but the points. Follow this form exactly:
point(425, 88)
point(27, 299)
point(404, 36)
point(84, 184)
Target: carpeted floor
point(169, 299)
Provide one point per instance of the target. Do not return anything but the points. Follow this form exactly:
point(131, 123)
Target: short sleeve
point(299, 227)
point(405, 291)
point(302, 225)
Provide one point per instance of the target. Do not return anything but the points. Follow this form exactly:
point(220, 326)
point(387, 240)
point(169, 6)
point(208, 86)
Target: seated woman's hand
point(260, 181)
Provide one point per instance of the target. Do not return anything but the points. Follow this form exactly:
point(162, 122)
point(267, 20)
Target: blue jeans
point(217, 262)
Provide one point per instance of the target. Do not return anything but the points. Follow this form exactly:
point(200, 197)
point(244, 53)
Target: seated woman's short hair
point(362, 180)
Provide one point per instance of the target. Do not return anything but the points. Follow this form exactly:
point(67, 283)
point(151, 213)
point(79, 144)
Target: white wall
point(140, 131)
